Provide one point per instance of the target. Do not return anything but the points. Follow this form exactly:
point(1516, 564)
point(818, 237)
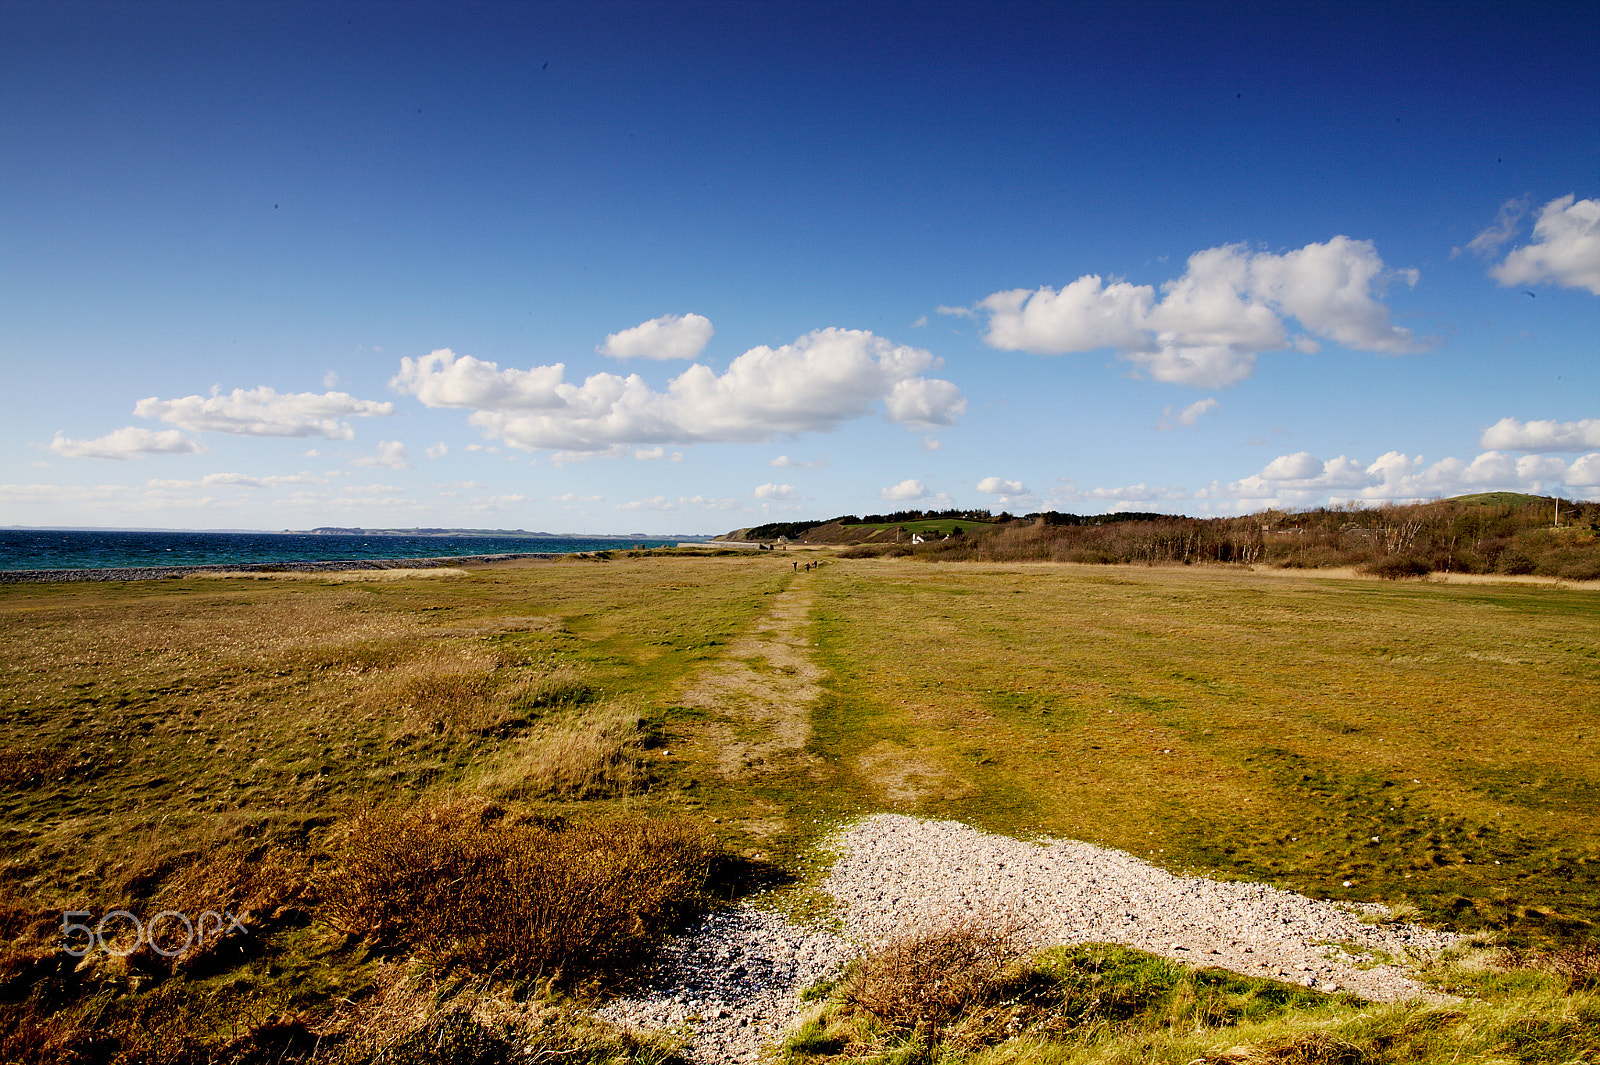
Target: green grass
point(1110, 1005)
point(933, 526)
point(1499, 499)
point(211, 742)
point(1263, 728)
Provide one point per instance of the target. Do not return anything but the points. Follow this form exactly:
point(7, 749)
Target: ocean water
point(110, 548)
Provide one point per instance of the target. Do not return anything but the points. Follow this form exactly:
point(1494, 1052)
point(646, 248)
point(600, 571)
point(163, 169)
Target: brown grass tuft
point(458, 884)
point(923, 981)
point(596, 755)
point(470, 691)
point(1576, 963)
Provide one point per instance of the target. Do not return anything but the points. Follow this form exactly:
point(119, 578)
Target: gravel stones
point(897, 871)
point(731, 984)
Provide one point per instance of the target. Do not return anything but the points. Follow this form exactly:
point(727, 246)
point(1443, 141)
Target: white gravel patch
point(897, 871)
point(731, 985)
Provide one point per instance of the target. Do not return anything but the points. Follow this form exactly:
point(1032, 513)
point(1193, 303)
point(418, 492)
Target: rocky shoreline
point(156, 573)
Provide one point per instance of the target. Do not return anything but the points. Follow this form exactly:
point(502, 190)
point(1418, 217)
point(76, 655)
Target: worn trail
point(731, 985)
point(760, 692)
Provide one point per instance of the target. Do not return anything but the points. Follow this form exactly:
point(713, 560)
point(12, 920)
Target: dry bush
point(1570, 564)
point(877, 551)
point(1397, 567)
point(29, 945)
point(258, 885)
point(418, 1016)
point(596, 754)
point(926, 980)
point(1576, 963)
point(458, 884)
point(31, 767)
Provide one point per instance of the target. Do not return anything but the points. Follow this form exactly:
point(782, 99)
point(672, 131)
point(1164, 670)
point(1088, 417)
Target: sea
point(114, 548)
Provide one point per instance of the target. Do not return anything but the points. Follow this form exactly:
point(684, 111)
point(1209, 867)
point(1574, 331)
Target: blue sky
point(689, 267)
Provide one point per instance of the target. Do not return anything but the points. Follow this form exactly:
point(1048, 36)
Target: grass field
point(212, 742)
point(1264, 729)
point(929, 527)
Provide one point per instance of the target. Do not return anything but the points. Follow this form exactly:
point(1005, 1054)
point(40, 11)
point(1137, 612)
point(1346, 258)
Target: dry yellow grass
point(594, 752)
point(353, 576)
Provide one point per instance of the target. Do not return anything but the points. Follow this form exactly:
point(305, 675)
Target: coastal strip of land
point(156, 573)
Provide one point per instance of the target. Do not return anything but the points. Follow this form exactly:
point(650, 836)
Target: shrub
point(1514, 562)
point(459, 884)
point(939, 997)
point(924, 981)
point(1576, 963)
point(1570, 564)
point(1397, 567)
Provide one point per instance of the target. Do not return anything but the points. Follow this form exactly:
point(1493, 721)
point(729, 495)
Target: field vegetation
point(1494, 533)
point(898, 527)
point(380, 779)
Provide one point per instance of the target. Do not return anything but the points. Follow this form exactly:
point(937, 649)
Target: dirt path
point(759, 693)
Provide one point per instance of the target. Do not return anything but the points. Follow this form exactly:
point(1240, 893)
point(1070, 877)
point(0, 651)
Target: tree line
point(1495, 534)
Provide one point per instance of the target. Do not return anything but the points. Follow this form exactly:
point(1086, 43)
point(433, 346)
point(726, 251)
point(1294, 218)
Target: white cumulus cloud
point(1010, 493)
point(784, 461)
point(263, 412)
point(128, 443)
point(709, 503)
point(672, 336)
point(1303, 480)
point(1584, 471)
point(775, 491)
point(1566, 248)
point(391, 456)
point(241, 480)
point(1513, 435)
point(1083, 316)
point(995, 486)
point(815, 384)
point(1296, 467)
point(445, 379)
point(1208, 326)
point(1138, 496)
point(906, 491)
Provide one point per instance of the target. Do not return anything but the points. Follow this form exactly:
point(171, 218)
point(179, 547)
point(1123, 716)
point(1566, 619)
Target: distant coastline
point(51, 550)
point(335, 530)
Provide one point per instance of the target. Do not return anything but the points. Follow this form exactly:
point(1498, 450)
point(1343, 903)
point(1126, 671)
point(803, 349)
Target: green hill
point(1500, 499)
